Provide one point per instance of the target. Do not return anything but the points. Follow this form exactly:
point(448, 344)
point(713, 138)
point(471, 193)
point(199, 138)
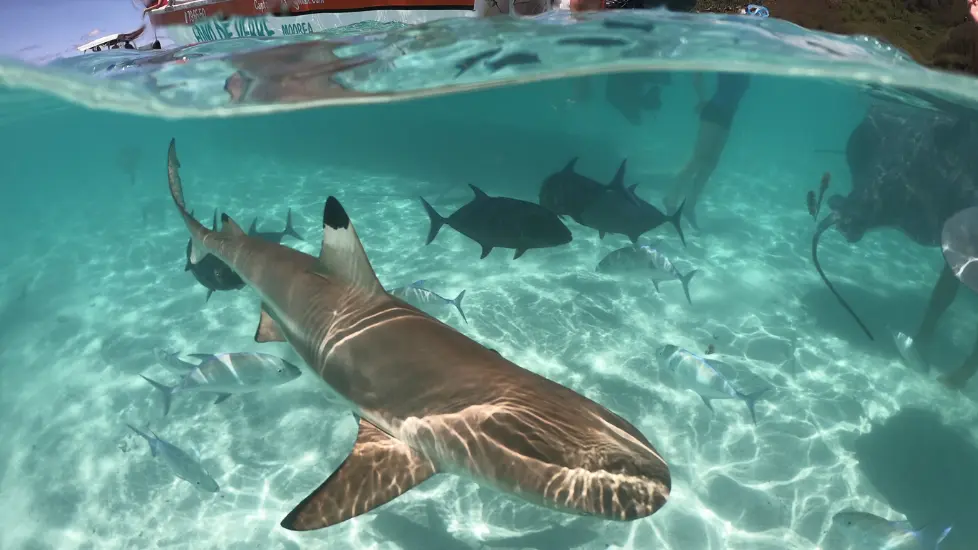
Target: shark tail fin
point(676, 220)
point(377, 470)
point(289, 229)
point(436, 221)
point(197, 230)
point(751, 400)
point(165, 391)
point(457, 302)
point(684, 279)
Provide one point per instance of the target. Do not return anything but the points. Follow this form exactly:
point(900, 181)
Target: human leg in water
point(710, 142)
point(941, 298)
point(957, 378)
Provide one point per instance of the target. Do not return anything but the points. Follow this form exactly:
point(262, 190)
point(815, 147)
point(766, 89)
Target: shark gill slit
point(823, 226)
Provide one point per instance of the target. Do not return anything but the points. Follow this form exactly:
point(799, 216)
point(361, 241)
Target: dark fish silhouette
point(469, 62)
point(592, 41)
point(621, 24)
point(568, 193)
point(620, 211)
point(275, 236)
point(211, 272)
point(512, 60)
point(502, 222)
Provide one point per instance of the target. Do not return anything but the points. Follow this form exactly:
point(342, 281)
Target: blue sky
point(39, 29)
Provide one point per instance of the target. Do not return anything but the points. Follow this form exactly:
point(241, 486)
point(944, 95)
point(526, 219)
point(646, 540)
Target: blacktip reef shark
point(427, 398)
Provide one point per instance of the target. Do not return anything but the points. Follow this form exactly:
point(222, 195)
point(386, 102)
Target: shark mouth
point(824, 225)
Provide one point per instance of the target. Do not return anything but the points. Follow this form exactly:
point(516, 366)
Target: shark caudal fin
point(378, 470)
point(197, 230)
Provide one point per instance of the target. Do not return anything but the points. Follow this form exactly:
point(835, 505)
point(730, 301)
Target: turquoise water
point(93, 281)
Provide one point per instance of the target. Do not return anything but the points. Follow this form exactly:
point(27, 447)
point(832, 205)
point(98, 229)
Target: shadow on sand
point(927, 471)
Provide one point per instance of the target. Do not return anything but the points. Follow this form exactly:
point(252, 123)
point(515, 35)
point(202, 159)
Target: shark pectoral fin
point(342, 255)
point(519, 252)
point(268, 330)
point(378, 469)
point(221, 398)
point(230, 227)
point(486, 249)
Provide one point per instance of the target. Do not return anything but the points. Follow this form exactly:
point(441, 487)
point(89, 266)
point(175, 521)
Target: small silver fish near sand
point(699, 375)
point(908, 352)
point(183, 465)
point(648, 262)
point(224, 374)
point(871, 532)
point(421, 297)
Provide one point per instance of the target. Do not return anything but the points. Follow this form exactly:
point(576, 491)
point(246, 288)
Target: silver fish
point(183, 465)
point(871, 532)
point(226, 374)
point(697, 374)
point(907, 350)
point(648, 262)
point(419, 296)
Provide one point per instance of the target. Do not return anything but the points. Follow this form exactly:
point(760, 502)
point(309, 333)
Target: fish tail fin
point(289, 230)
point(676, 220)
point(684, 279)
point(930, 532)
point(166, 391)
point(457, 302)
point(144, 435)
point(751, 399)
point(436, 221)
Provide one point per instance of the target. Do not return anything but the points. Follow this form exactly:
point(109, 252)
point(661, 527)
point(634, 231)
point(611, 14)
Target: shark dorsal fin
point(618, 182)
point(342, 255)
point(214, 221)
point(253, 228)
point(570, 165)
point(229, 226)
point(479, 193)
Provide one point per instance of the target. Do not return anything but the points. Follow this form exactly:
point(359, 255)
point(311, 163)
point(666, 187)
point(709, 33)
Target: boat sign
point(209, 30)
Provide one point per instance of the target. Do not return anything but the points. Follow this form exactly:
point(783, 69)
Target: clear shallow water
point(93, 281)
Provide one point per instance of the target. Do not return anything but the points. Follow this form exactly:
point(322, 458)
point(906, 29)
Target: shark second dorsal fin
point(618, 182)
point(229, 226)
point(479, 193)
point(570, 165)
point(342, 255)
point(378, 470)
point(268, 330)
point(214, 221)
point(253, 228)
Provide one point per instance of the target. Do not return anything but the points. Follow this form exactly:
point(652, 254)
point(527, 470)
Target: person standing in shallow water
point(716, 117)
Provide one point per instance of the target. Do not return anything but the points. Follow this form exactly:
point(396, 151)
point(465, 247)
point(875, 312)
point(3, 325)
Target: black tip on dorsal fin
point(334, 216)
point(229, 226)
point(479, 193)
